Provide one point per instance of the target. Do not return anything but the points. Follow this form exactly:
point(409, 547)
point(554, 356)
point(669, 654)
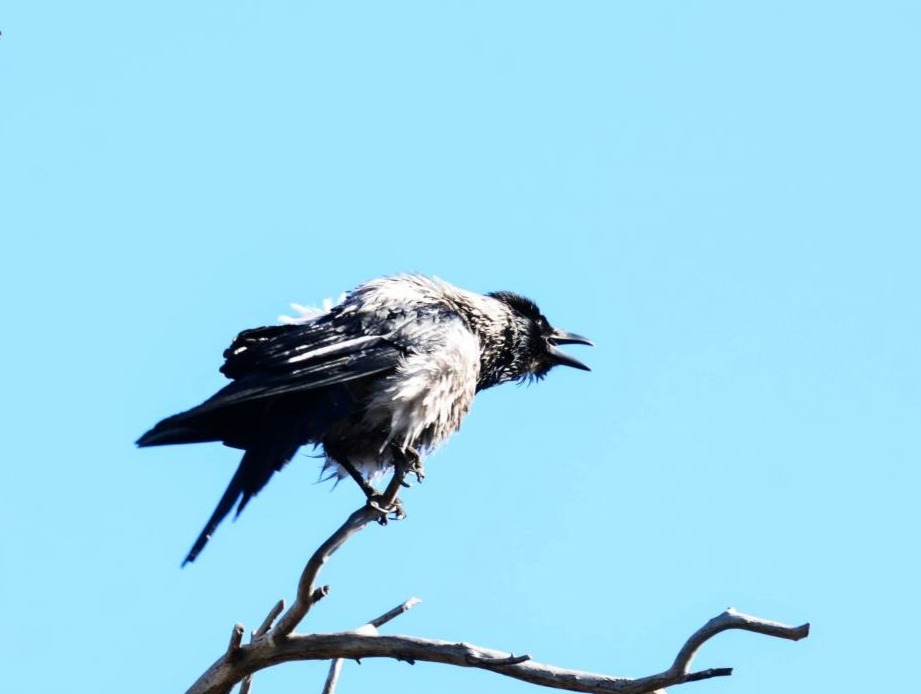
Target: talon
point(414, 463)
point(387, 513)
point(374, 502)
point(398, 512)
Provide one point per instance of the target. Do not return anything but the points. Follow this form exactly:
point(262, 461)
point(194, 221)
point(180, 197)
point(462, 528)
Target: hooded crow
point(377, 381)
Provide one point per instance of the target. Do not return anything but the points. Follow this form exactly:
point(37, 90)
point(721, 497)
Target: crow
point(377, 381)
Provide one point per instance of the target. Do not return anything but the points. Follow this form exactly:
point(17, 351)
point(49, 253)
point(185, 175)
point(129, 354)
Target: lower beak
point(560, 357)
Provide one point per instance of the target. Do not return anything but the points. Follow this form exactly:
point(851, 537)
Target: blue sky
point(724, 196)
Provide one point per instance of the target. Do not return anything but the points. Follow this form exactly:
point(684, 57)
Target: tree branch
point(273, 645)
point(335, 667)
point(375, 510)
point(356, 646)
point(394, 613)
point(306, 598)
point(730, 619)
point(332, 679)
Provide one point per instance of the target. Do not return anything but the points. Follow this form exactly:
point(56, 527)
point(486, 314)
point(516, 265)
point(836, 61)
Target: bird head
point(531, 345)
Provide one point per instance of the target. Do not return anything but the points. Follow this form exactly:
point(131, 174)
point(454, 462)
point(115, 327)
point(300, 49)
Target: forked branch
point(375, 510)
point(271, 645)
point(357, 646)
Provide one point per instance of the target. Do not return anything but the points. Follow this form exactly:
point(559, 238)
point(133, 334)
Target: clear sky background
point(723, 195)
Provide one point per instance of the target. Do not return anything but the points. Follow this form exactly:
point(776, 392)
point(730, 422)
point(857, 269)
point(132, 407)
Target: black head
point(534, 342)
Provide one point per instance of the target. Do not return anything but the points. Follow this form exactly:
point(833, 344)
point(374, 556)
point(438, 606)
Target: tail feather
point(231, 494)
point(179, 428)
point(255, 469)
point(269, 432)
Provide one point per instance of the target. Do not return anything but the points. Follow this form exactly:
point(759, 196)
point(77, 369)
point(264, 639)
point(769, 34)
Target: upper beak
point(561, 337)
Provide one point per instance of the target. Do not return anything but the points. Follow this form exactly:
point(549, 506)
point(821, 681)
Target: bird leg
point(413, 463)
point(376, 498)
point(359, 478)
point(405, 461)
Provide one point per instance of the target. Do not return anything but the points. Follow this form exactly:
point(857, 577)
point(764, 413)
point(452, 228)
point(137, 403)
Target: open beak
point(561, 337)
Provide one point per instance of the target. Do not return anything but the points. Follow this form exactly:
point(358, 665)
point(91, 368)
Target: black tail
point(220, 512)
point(180, 428)
point(255, 469)
point(270, 432)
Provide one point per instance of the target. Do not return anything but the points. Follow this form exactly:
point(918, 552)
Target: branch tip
point(332, 679)
point(491, 662)
point(236, 638)
point(731, 619)
point(395, 612)
point(319, 594)
point(708, 674)
point(269, 620)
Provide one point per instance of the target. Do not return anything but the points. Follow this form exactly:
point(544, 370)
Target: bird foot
point(405, 461)
point(387, 512)
point(410, 462)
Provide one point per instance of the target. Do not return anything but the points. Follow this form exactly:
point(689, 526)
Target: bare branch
point(305, 594)
point(335, 668)
point(375, 510)
point(263, 629)
point(332, 679)
point(730, 619)
point(492, 662)
point(236, 638)
point(270, 646)
point(319, 594)
point(356, 646)
point(706, 674)
point(269, 620)
point(394, 613)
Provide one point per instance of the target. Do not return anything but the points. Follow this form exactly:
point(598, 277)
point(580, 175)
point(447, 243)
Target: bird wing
point(336, 348)
point(322, 356)
point(284, 359)
point(279, 360)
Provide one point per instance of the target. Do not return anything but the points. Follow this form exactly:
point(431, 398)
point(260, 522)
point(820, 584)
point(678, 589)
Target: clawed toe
point(388, 512)
point(412, 462)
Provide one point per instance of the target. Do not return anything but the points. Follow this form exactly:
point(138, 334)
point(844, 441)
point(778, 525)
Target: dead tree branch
point(271, 645)
point(375, 510)
point(335, 668)
point(332, 679)
point(394, 613)
point(357, 646)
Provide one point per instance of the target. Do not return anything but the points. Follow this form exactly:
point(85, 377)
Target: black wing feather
point(288, 364)
point(276, 361)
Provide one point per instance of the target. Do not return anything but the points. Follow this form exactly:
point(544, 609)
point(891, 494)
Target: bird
point(376, 381)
